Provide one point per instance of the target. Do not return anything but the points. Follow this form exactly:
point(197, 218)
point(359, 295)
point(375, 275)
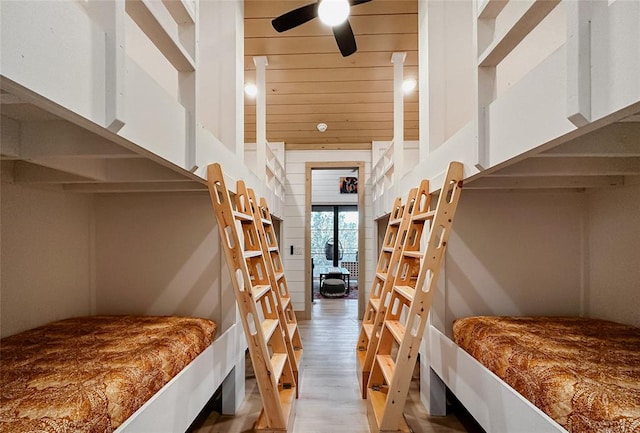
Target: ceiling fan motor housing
point(343, 32)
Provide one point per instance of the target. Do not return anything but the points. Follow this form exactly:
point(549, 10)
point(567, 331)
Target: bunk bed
point(91, 374)
point(540, 150)
point(565, 374)
point(584, 373)
point(110, 126)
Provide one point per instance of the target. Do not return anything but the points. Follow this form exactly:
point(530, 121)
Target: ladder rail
point(269, 245)
point(373, 303)
point(264, 335)
point(377, 304)
point(406, 318)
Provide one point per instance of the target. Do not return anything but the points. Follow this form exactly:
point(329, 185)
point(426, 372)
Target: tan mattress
point(583, 373)
point(90, 374)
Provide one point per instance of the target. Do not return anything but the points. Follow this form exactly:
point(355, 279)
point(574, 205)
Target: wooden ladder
point(409, 304)
point(269, 242)
point(382, 283)
point(262, 326)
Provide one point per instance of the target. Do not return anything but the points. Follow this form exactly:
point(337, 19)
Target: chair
point(333, 286)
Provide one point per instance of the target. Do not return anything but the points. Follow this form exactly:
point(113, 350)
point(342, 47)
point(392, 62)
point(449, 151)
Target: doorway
point(334, 247)
point(338, 227)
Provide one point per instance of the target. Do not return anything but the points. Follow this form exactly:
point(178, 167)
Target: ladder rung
point(297, 352)
point(387, 249)
point(287, 398)
point(375, 303)
point(242, 216)
point(265, 222)
point(424, 216)
point(368, 329)
point(268, 326)
point(395, 222)
point(377, 399)
point(406, 291)
point(396, 328)
point(251, 253)
point(258, 291)
point(414, 254)
point(382, 276)
point(387, 366)
point(286, 300)
point(278, 361)
point(273, 249)
point(291, 327)
point(279, 276)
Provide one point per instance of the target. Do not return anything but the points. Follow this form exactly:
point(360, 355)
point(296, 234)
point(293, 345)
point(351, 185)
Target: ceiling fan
point(342, 31)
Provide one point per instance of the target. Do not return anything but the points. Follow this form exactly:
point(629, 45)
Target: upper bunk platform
point(124, 96)
point(67, 152)
point(539, 94)
point(606, 157)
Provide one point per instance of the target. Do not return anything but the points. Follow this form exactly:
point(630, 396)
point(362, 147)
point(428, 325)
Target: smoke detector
point(322, 127)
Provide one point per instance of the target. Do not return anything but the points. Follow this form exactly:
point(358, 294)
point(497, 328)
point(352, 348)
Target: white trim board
point(495, 405)
point(176, 405)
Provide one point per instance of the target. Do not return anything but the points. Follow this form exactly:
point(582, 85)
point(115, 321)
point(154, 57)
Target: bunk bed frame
point(603, 157)
point(176, 405)
point(493, 404)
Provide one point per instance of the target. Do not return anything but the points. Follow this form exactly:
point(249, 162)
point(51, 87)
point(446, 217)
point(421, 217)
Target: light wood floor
point(329, 399)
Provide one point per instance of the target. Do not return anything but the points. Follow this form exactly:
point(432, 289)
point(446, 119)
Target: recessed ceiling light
point(333, 12)
point(250, 89)
point(408, 85)
point(322, 127)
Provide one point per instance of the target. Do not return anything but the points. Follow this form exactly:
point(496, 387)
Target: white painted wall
point(160, 254)
point(459, 97)
point(518, 253)
point(54, 49)
point(449, 69)
point(66, 254)
point(146, 55)
point(447, 83)
point(615, 56)
point(221, 72)
point(614, 259)
point(326, 187)
point(547, 37)
point(155, 120)
point(294, 217)
point(45, 257)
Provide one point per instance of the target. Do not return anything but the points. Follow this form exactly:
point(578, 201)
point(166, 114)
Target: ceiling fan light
point(408, 85)
point(251, 90)
point(333, 12)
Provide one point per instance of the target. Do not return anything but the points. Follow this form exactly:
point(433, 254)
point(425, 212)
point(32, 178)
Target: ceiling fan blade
point(345, 39)
point(295, 17)
point(357, 2)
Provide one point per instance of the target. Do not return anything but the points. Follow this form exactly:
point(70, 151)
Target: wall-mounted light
point(408, 85)
point(333, 12)
point(251, 90)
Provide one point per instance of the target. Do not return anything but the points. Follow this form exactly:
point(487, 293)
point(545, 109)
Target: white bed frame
point(176, 405)
point(495, 405)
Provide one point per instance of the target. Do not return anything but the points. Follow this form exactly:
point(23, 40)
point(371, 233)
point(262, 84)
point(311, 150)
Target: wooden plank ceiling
point(308, 81)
